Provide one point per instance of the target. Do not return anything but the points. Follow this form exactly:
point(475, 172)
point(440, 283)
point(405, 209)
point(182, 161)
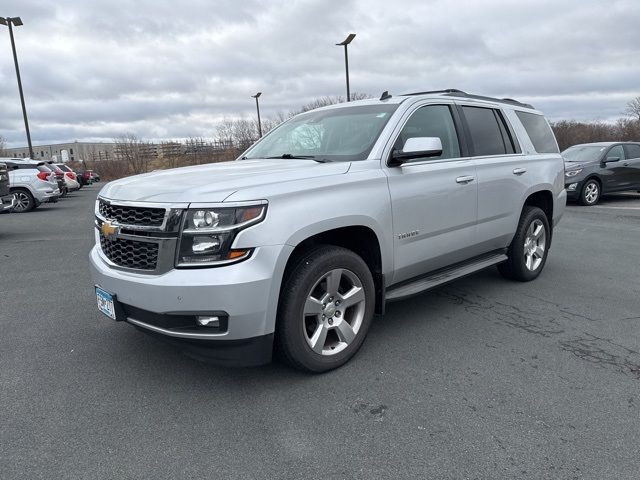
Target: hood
point(573, 165)
point(216, 181)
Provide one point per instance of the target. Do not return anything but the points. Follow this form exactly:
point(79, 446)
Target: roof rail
point(454, 92)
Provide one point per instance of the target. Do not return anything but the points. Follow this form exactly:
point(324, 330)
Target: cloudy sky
point(94, 69)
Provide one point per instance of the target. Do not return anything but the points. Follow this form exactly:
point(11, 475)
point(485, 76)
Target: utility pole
point(10, 22)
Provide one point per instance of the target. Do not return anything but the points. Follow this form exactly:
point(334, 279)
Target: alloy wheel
point(534, 245)
point(22, 202)
point(591, 192)
point(333, 312)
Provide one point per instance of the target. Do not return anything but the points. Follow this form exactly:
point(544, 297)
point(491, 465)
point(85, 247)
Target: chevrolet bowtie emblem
point(109, 231)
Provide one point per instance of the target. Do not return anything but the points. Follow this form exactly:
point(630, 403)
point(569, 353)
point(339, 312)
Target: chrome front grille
point(130, 253)
point(132, 216)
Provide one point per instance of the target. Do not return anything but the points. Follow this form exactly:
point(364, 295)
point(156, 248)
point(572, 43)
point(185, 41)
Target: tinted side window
point(633, 151)
point(539, 132)
point(486, 134)
point(432, 121)
point(616, 151)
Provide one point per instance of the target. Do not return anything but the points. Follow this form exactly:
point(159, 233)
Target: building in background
point(67, 152)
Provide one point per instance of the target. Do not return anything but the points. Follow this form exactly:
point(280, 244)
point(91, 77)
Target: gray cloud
point(93, 70)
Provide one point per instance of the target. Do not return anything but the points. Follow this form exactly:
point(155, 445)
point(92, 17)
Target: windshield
point(339, 134)
point(583, 153)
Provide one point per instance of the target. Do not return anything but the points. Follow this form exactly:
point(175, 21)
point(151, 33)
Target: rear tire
point(24, 201)
point(325, 310)
point(530, 246)
point(590, 194)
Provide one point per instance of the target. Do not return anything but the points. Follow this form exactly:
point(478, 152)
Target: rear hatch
point(48, 176)
point(4, 180)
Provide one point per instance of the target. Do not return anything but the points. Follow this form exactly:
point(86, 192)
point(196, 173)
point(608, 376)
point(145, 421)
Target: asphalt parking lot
point(483, 378)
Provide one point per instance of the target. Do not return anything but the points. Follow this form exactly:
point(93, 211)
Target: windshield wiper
point(294, 157)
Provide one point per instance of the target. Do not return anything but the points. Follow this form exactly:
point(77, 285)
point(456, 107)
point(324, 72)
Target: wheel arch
point(543, 199)
point(360, 239)
point(596, 177)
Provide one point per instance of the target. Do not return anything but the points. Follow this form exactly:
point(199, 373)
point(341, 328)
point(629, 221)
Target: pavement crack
point(605, 354)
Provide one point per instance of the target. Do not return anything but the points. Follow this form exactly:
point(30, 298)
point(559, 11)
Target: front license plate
point(105, 303)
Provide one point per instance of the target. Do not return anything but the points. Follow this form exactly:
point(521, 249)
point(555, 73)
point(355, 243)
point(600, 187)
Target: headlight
point(207, 234)
point(572, 173)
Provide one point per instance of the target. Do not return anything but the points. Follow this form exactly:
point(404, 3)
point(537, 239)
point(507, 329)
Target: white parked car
point(70, 177)
point(31, 183)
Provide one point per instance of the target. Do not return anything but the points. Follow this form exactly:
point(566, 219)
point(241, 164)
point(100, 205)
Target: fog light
point(208, 321)
point(572, 186)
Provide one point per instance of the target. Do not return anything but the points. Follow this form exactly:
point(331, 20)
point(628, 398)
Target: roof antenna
point(385, 95)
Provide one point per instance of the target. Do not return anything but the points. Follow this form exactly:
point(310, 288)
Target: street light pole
point(10, 21)
point(344, 43)
point(256, 96)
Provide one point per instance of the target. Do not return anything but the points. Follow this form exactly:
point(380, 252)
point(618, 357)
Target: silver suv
point(328, 217)
point(32, 183)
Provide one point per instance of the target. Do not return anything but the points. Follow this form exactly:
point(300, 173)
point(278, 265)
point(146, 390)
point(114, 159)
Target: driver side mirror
point(416, 147)
point(611, 159)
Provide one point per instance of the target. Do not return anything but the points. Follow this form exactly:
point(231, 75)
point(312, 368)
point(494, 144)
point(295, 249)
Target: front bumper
point(7, 203)
point(573, 190)
point(247, 292)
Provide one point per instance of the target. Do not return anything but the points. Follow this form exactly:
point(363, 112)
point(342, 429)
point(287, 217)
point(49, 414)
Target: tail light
point(44, 176)
point(70, 175)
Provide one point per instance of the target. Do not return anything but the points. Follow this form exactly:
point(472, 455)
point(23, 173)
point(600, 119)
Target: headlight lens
point(207, 234)
point(572, 173)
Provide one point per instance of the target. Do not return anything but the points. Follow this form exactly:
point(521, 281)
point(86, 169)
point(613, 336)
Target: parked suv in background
point(59, 177)
point(325, 219)
point(69, 173)
point(593, 169)
point(70, 178)
point(7, 200)
point(32, 183)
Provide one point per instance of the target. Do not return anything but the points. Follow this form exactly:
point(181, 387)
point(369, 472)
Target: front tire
point(530, 246)
point(590, 194)
point(325, 310)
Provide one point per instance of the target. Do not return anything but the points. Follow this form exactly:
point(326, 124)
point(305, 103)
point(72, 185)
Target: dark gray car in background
point(593, 169)
point(6, 197)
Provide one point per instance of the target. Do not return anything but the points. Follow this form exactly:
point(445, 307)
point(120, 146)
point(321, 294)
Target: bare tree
point(633, 109)
point(136, 154)
point(570, 132)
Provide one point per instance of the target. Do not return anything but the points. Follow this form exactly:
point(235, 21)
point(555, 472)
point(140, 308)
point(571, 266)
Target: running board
point(443, 276)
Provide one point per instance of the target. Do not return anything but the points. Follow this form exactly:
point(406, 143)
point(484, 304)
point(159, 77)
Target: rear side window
point(42, 168)
point(539, 132)
point(633, 151)
point(487, 132)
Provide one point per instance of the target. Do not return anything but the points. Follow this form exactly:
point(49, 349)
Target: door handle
point(626, 164)
point(465, 179)
point(519, 171)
